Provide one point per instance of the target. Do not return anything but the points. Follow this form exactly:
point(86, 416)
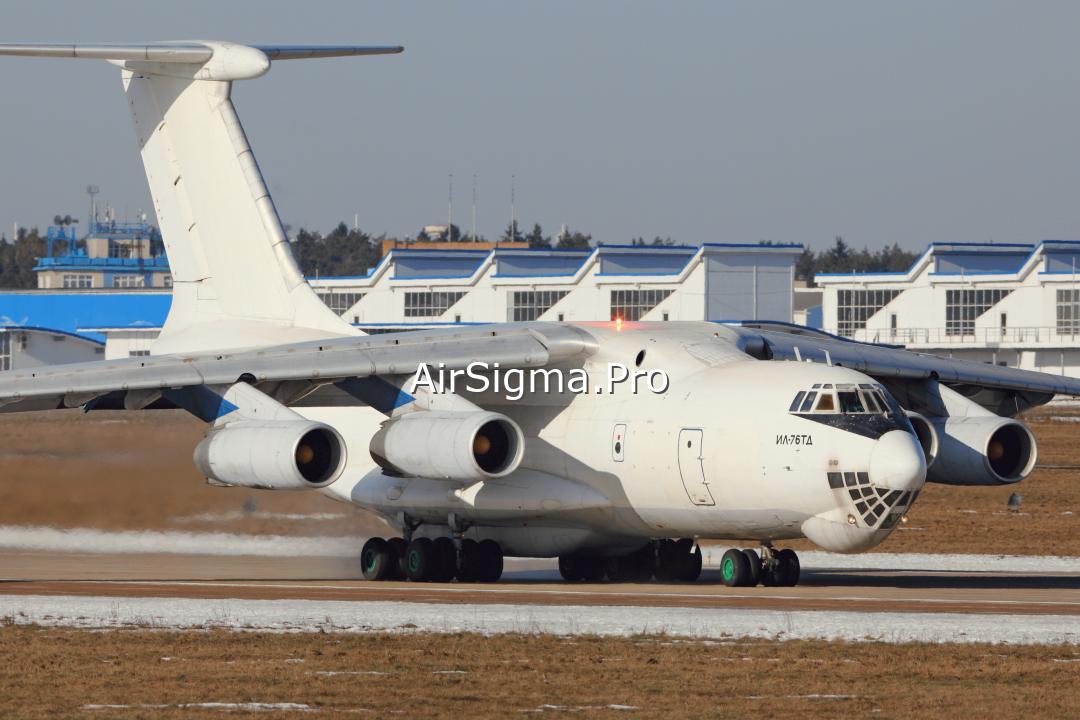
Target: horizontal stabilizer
point(187, 52)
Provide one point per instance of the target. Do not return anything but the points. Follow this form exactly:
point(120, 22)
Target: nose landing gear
point(773, 568)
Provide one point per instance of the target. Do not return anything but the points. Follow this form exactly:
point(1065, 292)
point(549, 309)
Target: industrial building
point(1005, 303)
point(414, 288)
point(116, 255)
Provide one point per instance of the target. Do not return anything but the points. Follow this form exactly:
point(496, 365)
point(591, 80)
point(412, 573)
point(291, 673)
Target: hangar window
point(854, 308)
point(528, 305)
point(339, 302)
point(962, 307)
point(633, 304)
point(430, 304)
point(1068, 312)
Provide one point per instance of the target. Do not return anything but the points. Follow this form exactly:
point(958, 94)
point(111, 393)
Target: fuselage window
point(808, 402)
point(797, 401)
point(826, 403)
point(850, 402)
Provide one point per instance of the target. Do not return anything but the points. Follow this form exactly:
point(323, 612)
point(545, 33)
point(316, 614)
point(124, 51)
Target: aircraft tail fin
point(235, 280)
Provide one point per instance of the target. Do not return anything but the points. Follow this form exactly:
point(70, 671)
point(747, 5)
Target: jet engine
point(272, 455)
point(927, 435)
point(982, 450)
point(461, 446)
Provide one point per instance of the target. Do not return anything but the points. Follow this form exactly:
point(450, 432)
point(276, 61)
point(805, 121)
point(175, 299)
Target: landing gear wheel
point(592, 569)
point(445, 566)
point(666, 561)
point(396, 547)
point(470, 567)
point(572, 568)
point(783, 570)
point(755, 566)
point(689, 561)
point(420, 561)
point(375, 559)
point(491, 561)
point(735, 568)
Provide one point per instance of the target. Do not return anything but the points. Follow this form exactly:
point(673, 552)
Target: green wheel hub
point(369, 560)
point(727, 569)
point(414, 561)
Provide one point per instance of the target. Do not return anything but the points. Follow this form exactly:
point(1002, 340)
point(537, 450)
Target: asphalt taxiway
point(528, 583)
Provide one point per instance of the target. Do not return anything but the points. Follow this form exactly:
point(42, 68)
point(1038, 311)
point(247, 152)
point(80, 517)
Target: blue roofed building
point(412, 288)
point(1005, 303)
point(113, 255)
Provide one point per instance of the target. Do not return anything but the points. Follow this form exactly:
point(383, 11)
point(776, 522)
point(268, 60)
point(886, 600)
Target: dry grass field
point(116, 470)
point(147, 674)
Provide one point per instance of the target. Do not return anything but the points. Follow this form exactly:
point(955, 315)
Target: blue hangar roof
point(74, 311)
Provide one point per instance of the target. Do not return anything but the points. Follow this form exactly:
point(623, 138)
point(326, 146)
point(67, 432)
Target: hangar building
point(1004, 303)
point(418, 288)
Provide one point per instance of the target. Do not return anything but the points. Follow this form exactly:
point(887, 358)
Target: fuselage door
point(692, 468)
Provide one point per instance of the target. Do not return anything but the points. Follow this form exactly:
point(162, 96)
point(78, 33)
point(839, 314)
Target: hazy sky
point(721, 121)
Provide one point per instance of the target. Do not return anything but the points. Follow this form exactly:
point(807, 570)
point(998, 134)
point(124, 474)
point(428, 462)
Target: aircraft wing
point(893, 363)
point(135, 382)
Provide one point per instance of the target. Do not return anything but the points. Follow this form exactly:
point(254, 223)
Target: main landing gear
point(666, 560)
point(773, 568)
point(427, 560)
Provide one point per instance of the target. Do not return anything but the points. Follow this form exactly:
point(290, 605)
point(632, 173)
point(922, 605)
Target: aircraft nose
point(897, 462)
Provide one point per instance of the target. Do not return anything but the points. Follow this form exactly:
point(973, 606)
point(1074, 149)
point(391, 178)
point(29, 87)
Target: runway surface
point(529, 583)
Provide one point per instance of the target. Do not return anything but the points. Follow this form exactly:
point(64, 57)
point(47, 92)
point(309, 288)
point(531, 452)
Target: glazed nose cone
point(897, 462)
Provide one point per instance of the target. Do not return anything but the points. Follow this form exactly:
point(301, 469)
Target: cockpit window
point(850, 402)
point(847, 398)
point(797, 401)
point(870, 400)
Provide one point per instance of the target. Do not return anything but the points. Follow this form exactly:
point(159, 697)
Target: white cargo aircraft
point(764, 432)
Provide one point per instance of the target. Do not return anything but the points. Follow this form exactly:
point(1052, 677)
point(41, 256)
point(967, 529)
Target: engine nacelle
point(460, 446)
point(927, 435)
point(272, 455)
point(982, 450)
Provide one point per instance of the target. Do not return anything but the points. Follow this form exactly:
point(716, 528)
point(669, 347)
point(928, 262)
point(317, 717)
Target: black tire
point(735, 568)
point(688, 561)
point(755, 566)
point(375, 559)
point(620, 569)
point(396, 547)
point(491, 561)
point(644, 561)
point(445, 566)
point(420, 560)
point(470, 567)
point(571, 567)
point(666, 567)
point(592, 569)
point(787, 568)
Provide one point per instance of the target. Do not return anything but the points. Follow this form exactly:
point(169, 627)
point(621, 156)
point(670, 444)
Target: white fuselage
point(719, 454)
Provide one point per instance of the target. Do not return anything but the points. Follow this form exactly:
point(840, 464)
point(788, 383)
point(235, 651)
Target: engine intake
point(927, 435)
point(460, 446)
point(982, 450)
point(272, 455)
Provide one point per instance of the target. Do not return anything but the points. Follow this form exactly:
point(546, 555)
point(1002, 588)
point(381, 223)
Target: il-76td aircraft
point(631, 441)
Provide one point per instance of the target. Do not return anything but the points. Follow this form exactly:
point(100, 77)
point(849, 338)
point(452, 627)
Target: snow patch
point(563, 620)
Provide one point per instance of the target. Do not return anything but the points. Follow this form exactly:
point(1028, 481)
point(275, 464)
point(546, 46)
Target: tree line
point(347, 251)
